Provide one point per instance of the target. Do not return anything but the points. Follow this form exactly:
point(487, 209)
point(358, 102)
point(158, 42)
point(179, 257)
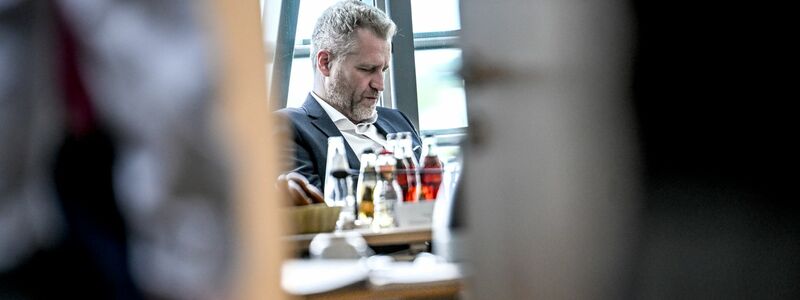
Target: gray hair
point(335, 30)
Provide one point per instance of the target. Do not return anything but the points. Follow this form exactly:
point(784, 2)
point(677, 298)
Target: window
point(440, 91)
point(301, 77)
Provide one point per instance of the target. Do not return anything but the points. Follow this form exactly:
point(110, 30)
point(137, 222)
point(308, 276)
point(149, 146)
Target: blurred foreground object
point(559, 202)
point(260, 222)
point(551, 184)
point(719, 219)
point(145, 73)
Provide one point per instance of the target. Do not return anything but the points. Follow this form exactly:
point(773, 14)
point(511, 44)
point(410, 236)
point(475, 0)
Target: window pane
point(307, 17)
point(440, 90)
point(301, 79)
point(431, 16)
point(301, 82)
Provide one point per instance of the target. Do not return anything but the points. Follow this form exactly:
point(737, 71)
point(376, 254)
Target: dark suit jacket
point(310, 128)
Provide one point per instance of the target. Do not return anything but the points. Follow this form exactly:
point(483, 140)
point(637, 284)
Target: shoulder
point(385, 112)
point(291, 112)
point(290, 119)
point(296, 116)
point(393, 115)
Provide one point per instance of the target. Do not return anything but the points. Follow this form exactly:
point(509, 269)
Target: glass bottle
point(343, 193)
point(387, 192)
point(432, 168)
point(336, 169)
point(367, 179)
point(414, 181)
point(391, 141)
point(402, 167)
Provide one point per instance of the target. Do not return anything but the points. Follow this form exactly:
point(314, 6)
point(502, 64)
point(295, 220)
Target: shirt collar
point(341, 121)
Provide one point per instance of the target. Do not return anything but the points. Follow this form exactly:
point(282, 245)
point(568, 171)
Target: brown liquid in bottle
point(404, 173)
point(431, 177)
point(368, 177)
point(432, 169)
point(366, 208)
point(412, 194)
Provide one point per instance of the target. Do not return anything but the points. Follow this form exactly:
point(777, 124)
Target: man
point(351, 50)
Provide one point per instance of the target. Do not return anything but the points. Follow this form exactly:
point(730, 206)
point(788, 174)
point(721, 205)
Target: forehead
point(370, 48)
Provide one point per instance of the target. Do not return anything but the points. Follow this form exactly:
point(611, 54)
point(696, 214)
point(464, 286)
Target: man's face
point(357, 79)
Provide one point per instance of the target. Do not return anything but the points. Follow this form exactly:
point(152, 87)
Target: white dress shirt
point(359, 136)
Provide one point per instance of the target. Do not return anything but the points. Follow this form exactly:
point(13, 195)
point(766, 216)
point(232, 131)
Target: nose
point(377, 82)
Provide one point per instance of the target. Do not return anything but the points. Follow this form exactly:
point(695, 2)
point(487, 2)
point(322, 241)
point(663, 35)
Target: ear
point(324, 62)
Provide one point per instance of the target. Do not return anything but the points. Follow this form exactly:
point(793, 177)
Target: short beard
point(342, 97)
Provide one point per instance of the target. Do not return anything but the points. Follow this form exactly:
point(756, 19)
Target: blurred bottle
point(414, 181)
point(391, 142)
point(337, 167)
point(401, 166)
point(447, 226)
point(343, 193)
point(351, 194)
point(339, 170)
point(367, 179)
point(387, 191)
point(432, 168)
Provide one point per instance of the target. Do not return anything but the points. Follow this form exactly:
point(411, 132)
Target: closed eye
point(372, 69)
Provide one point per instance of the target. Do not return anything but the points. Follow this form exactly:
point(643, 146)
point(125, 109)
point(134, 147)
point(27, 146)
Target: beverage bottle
point(414, 181)
point(335, 173)
point(342, 192)
point(402, 167)
point(391, 140)
point(387, 191)
point(365, 189)
point(432, 168)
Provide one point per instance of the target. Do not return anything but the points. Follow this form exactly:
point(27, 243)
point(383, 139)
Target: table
point(411, 235)
point(438, 290)
point(353, 279)
point(389, 236)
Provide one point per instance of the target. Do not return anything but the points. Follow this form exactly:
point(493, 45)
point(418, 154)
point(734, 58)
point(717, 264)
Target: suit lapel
point(321, 120)
point(352, 159)
point(383, 126)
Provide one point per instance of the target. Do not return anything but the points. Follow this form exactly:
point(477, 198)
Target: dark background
point(712, 86)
